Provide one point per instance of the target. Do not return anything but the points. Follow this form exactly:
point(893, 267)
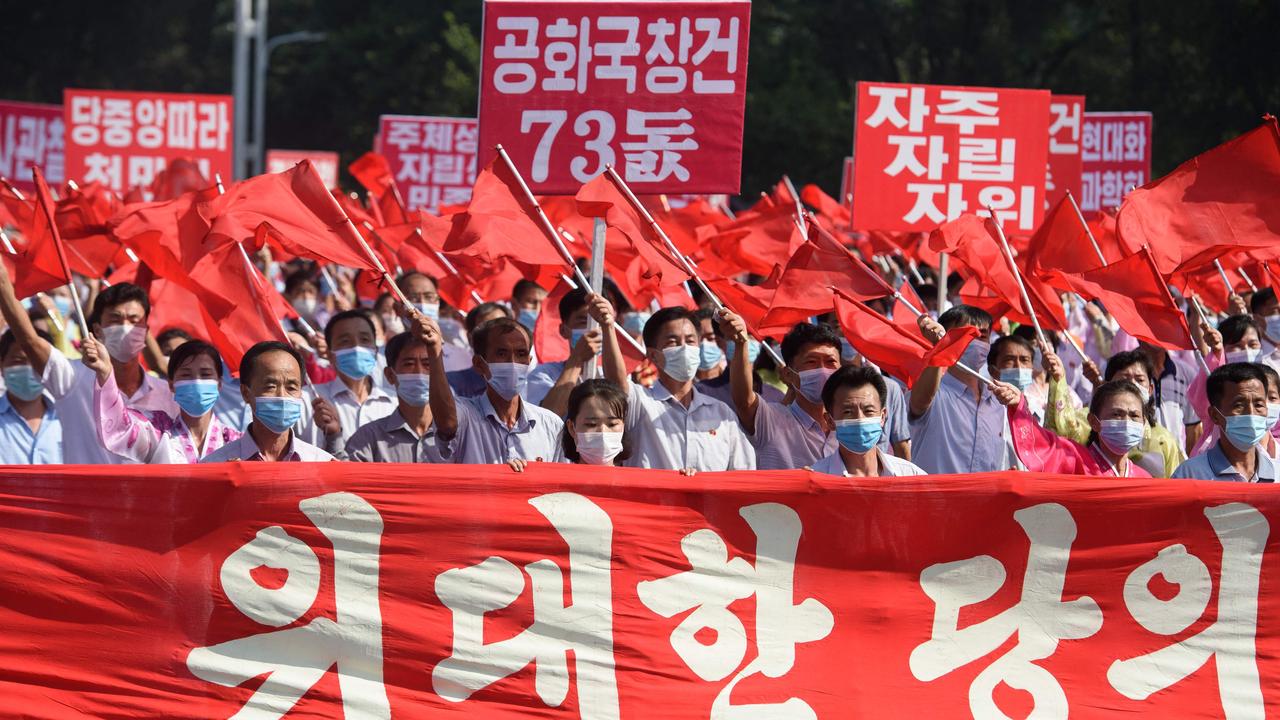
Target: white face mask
point(598, 448)
point(392, 324)
point(680, 363)
point(508, 379)
point(305, 306)
point(124, 341)
point(1247, 355)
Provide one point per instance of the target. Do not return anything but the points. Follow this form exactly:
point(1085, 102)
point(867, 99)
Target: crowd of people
point(418, 381)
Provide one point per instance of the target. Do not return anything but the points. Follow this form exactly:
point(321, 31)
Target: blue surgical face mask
point(975, 356)
point(1273, 328)
point(1121, 436)
point(710, 355)
point(431, 310)
point(859, 436)
point(22, 382)
point(356, 362)
point(1273, 415)
point(414, 388)
point(633, 322)
point(508, 379)
point(527, 317)
point(1245, 431)
point(196, 397)
point(1020, 378)
point(812, 381)
point(1247, 355)
point(753, 349)
point(846, 350)
point(277, 414)
point(63, 303)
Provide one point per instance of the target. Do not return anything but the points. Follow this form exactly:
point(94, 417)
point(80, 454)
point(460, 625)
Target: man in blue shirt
point(1237, 404)
point(30, 433)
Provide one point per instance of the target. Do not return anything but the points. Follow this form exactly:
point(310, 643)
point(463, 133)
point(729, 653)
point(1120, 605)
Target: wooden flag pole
point(1247, 280)
point(1223, 274)
point(1017, 275)
point(444, 262)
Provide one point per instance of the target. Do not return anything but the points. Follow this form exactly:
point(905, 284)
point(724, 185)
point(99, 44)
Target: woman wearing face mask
point(195, 377)
point(854, 398)
point(595, 432)
point(1117, 424)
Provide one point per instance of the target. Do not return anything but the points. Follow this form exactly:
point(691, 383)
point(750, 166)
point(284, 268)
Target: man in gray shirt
point(1237, 404)
point(408, 434)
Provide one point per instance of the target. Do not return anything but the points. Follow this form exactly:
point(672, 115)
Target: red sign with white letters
point(926, 154)
point(567, 591)
point(655, 89)
point(1116, 151)
point(123, 139)
point(433, 158)
point(324, 161)
point(30, 134)
point(1066, 113)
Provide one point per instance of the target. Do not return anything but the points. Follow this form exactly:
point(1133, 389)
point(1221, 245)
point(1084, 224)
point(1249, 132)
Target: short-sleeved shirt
point(483, 438)
point(787, 437)
point(352, 414)
point(960, 435)
point(246, 448)
point(1213, 465)
point(72, 385)
point(1174, 410)
point(718, 388)
point(890, 466)
point(541, 380)
point(666, 435)
point(466, 382)
point(20, 446)
point(897, 425)
point(391, 440)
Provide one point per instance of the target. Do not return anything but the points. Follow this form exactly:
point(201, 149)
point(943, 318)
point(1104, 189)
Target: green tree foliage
point(1207, 70)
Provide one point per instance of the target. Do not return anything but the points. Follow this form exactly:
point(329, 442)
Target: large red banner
point(1116, 151)
point(1066, 113)
point(324, 161)
point(31, 134)
point(433, 158)
point(656, 88)
point(373, 591)
point(123, 139)
point(926, 154)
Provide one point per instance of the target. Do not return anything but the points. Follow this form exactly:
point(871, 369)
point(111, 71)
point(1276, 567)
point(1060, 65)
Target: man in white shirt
point(339, 407)
point(271, 384)
point(672, 425)
point(119, 320)
point(854, 398)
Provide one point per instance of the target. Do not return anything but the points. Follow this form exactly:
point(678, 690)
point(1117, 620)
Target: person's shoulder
point(901, 468)
point(541, 414)
point(310, 453)
point(546, 370)
point(1190, 469)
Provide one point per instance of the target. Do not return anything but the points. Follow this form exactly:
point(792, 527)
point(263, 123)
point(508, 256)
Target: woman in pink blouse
point(195, 377)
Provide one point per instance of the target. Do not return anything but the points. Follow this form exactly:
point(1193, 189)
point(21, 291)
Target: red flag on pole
point(1136, 296)
point(894, 350)
point(38, 265)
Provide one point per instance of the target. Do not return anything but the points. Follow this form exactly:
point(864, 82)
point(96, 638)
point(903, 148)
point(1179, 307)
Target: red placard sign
point(1065, 115)
point(433, 158)
point(30, 134)
point(656, 89)
point(926, 154)
point(1116, 150)
point(122, 139)
point(325, 162)
point(329, 590)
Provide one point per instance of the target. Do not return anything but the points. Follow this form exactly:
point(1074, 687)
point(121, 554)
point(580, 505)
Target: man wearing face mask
point(854, 399)
point(674, 426)
point(423, 293)
point(526, 302)
point(352, 399)
point(303, 294)
point(497, 426)
point(1266, 309)
point(1238, 404)
point(795, 433)
point(408, 434)
point(1012, 360)
point(30, 433)
point(119, 320)
point(957, 425)
point(551, 382)
point(271, 384)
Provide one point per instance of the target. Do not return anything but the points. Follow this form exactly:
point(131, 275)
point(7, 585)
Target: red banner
point(1066, 112)
point(656, 88)
point(571, 592)
point(123, 139)
point(1116, 151)
point(30, 134)
point(324, 161)
point(926, 154)
point(433, 158)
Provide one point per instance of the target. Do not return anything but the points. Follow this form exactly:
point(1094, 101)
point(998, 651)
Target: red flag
point(1062, 244)
point(548, 343)
point(750, 301)
point(757, 241)
point(82, 216)
point(896, 351)
point(499, 224)
point(805, 286)
point(1219, 201)
point(374, 173)
point(951, 347)
point(37, 266)
point(903, 316)
point(681, 224)
point(832, 213)
point(181, 176)
point(1136, 296)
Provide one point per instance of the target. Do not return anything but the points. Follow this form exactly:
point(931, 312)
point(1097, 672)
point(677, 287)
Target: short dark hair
point(1234, 373)
point(248, 364)
point(473, 317)
point(523, 286)
point(853, 376)
point(397, 345)
point(807, 334)
point(191, 349)
point(613, 396)
point(1263, 296)
point(998, 346)
point(655, 322)
point(1273, 377)
point(961, 315)
point(1126, 359)
point(1234, 327)
point(119, 294)
point(298, 277)
point(408, 275)
point(171, 333)
point(494, 328)
point(1105, 392)
point(352, 314)
point(8, 340)
point(571, 302)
